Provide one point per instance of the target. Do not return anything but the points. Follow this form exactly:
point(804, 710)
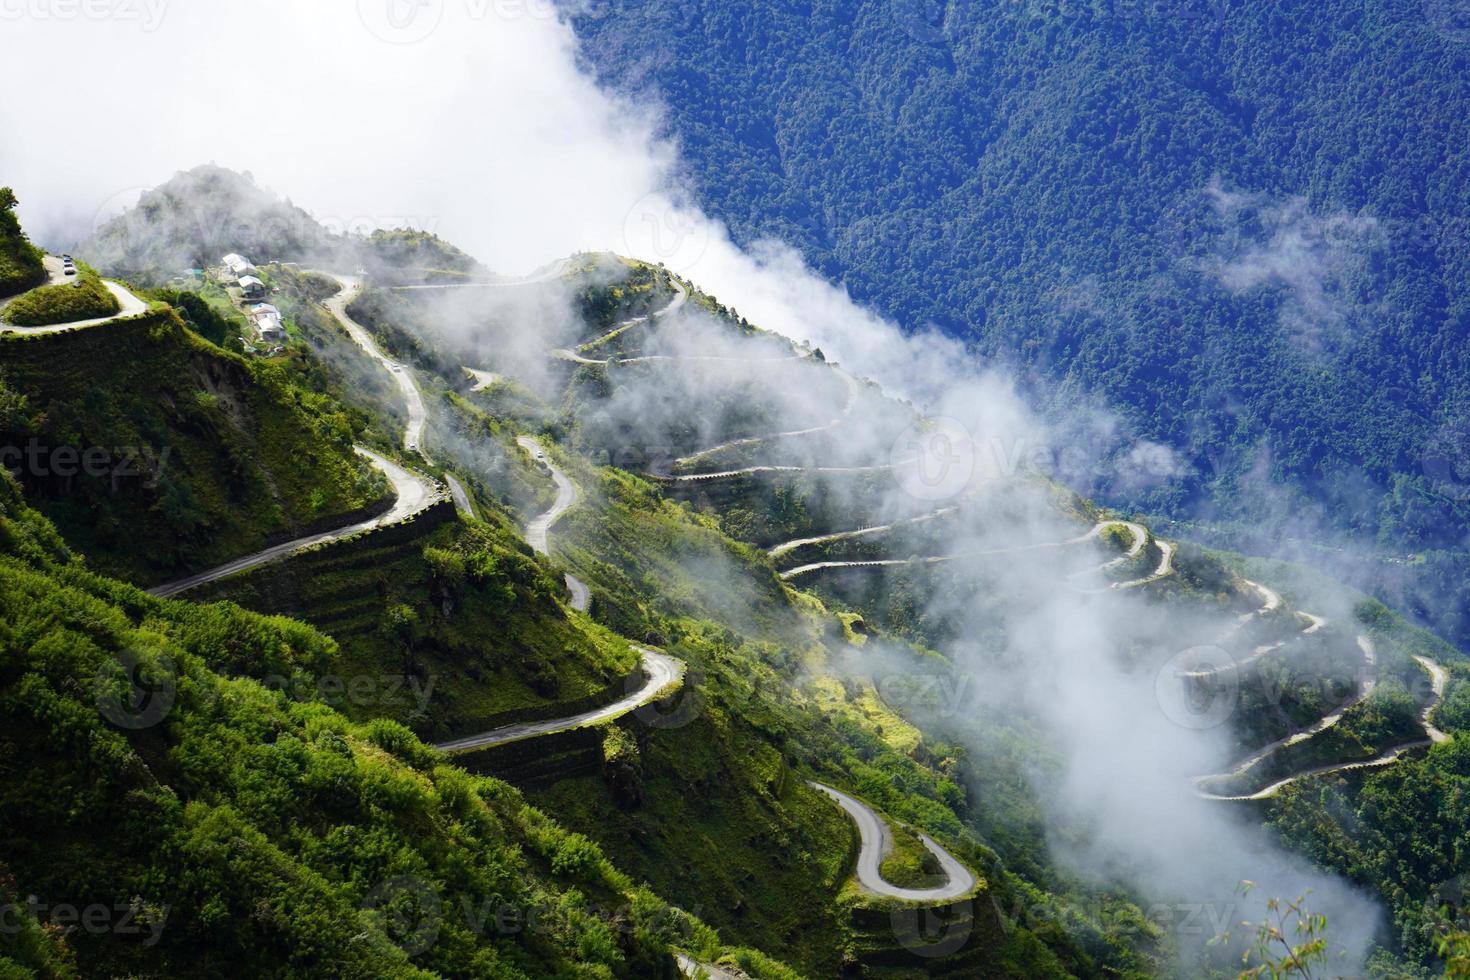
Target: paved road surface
point(660, 670)
point(877, 843)
point(414, 495)
point(1140, 537)
point(861, 532)
point(681, 296)
point(418, 414)
point(538, 530)
point(483, 379)
point(128, 305)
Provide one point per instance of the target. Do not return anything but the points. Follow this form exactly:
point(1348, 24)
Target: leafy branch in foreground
point(1288, 940)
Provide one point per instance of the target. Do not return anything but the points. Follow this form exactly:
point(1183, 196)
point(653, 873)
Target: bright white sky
point(466, 117)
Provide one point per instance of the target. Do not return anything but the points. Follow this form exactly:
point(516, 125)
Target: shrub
point(63, 303)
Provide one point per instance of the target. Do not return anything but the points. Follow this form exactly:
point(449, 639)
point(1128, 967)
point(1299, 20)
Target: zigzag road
point(876, 844)
point(413, 493)
point(659, 670)
point(538, 530)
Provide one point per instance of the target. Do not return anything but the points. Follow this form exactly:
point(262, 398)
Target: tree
point(7, 199)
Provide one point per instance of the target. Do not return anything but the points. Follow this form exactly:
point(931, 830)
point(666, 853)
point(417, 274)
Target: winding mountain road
point(555, 270)
point(538, 529)
point(681, 296)
point(861, 532)
point(418, 413)
point(483, 379)
point(461, 497)
point(1138, 531)
point(660, 671)
point(414, 494)
point(1439, 678)
point(849, 404)
point(128, 305)
point(877, 843)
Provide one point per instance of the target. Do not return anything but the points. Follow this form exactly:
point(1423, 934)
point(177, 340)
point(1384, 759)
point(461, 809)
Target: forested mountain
point(1244, 225)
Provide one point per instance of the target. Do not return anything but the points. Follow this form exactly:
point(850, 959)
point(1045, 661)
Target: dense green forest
point(1243, 225)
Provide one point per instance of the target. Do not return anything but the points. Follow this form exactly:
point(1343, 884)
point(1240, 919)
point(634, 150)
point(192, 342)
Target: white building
point(252, 288)
point(238, 266)
point(269, 327)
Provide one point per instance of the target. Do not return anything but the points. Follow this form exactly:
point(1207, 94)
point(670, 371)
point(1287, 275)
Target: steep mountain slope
point(1242, 225)
point(221, 828)
point(157, 452)
point(734, 505)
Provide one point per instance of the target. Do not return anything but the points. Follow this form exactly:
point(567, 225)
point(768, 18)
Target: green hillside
point(459, 620)
point(20, 261)
point(224, 828)
point(155, 452)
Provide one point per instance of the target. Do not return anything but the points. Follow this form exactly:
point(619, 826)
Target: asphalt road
point(877, 843)
point(418, 414)
point(660, 670)
point(128, 304)
point(538, 530)
point(414, 495)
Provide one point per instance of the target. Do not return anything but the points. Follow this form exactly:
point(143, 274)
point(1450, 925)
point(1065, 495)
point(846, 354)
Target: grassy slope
point(255, 832)
point(249, 455)
point(88, 299)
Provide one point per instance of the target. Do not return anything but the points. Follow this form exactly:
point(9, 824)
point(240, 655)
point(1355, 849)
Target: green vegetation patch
point(20, 261)
point(86, 299)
